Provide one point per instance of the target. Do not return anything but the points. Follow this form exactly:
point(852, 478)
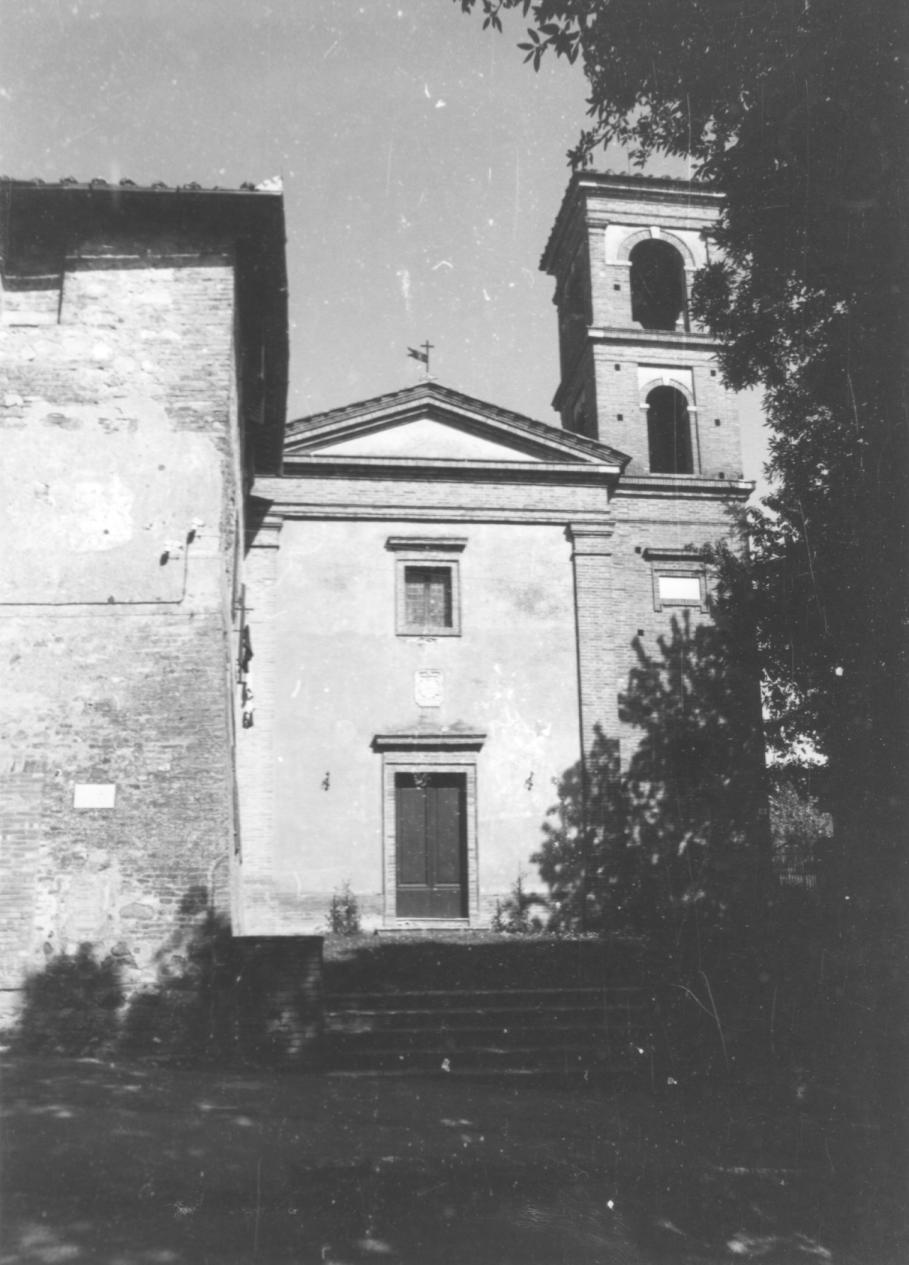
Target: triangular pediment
point(428, 437)
point(436, 424)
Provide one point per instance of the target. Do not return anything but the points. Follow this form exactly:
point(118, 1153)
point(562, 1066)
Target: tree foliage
point(798, 110)
point(585, 859)
point(673, 844)
point(799, 828)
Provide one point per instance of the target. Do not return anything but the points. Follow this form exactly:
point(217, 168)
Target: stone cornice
point(656, 554)
point(700, 201)
point(624, 336)
point(441, 513)
point(684, 487)
point(265, 534)
point(432, 544)
point(300, 468)
point(423, 739)
point(592, 539)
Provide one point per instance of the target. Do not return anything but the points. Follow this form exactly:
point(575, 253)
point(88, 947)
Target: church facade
point(269, 662)
point(445, 594)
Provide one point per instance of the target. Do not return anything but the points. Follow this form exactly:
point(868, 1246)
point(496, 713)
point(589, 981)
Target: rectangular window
point(427, 585)
point(427, 598)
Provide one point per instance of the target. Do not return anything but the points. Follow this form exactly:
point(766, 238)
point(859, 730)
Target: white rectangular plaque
point(680, 588)
point(94, 795)
point(428, 687)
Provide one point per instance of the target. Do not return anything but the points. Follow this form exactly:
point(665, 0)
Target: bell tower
point(636, 371)
point(638, 374)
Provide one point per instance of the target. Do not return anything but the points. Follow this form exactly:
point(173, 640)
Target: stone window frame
point(418, 751)
point(657, 233)
point(678, 563)
point(634, 237)
point(694, 431)
point(427, 551)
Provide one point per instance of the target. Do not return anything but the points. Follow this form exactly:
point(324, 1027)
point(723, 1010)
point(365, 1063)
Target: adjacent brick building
point(245, 667)
point(143, 360)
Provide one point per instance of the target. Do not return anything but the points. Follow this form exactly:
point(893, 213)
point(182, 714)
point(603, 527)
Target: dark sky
point(423, 165)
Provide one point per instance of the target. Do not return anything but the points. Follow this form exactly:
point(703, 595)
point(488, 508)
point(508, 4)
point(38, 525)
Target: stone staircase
point(579, 1029)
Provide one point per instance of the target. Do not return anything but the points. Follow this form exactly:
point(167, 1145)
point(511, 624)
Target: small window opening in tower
point(658, 298)
point(668, 432)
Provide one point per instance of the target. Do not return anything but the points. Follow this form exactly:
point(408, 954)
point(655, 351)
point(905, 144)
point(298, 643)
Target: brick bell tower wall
point(623, 254)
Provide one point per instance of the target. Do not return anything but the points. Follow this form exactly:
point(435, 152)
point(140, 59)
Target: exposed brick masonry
point(119, 478)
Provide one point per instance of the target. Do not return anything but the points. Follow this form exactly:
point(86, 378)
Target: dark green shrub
point(513, 916)
point(344, 912)
point(71, 1006)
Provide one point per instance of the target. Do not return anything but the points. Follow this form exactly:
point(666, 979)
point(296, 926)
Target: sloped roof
point(267, 188)
point(445, 404)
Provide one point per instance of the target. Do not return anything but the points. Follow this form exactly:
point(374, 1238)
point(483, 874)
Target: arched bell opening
point(658, 292)
point(669, 432)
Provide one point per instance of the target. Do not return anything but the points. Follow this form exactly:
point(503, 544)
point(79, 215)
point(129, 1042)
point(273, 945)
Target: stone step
point(437, 961)
point(462, 1038)
point(467, 1004)
point(492, 1029)
point(471, 1018)
point(498, 998)
point(387, 1016)
point(494, 1058)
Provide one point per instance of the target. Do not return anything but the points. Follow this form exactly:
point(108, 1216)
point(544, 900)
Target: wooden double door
point(431, 845)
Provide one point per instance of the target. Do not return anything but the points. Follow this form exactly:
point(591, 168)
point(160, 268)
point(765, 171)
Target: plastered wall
point(343, 674)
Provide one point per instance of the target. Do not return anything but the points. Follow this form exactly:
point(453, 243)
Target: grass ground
point(131, 1163)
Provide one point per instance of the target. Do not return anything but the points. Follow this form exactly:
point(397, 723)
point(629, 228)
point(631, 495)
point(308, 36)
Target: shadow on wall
point(72, 1006)
point(215, 998)
point(188, 1011)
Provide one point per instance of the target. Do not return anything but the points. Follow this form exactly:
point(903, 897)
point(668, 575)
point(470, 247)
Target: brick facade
point(614, 362)
point(125, 372)
point(595, 615)
point(256, 753)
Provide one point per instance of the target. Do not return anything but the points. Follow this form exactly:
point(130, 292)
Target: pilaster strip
point(591, 557)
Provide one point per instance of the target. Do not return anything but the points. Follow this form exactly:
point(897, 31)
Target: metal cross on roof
point(422, 356)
